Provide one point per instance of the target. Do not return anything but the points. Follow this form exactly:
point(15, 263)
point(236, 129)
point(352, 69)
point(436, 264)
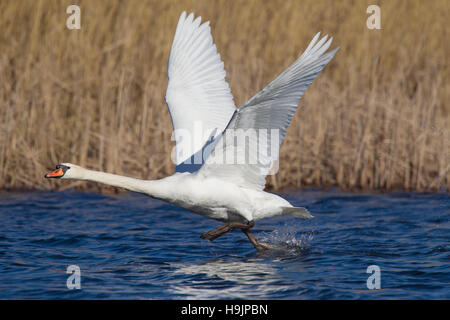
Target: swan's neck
point(153, 188)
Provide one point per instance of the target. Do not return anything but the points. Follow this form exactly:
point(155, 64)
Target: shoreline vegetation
point(376, 118)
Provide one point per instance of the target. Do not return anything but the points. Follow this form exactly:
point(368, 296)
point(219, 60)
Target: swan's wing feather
point(271, 110)
point(198, 97)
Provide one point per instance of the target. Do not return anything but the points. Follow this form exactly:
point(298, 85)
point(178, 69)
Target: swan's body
point(209, 197)
point(198, 95)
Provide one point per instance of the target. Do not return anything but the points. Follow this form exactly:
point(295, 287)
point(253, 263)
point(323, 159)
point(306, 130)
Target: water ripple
point(133, 247)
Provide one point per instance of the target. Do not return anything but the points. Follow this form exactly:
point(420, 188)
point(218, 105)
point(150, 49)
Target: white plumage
point(199, 97)
point(197, 92)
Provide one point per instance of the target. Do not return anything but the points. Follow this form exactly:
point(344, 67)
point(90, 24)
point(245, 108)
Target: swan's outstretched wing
point(260, 124)
point(198, 97)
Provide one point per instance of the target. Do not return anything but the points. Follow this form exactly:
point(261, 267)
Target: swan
point(231, 192)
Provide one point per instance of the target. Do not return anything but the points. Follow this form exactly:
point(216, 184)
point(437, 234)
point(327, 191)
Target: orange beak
point(55, 174)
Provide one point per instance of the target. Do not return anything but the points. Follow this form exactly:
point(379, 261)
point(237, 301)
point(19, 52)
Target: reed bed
point(378, 117)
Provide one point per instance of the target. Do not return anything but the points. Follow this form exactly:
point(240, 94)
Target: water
point(133, 247)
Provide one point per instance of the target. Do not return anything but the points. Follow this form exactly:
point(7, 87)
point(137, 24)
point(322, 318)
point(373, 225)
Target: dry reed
point(377, 117)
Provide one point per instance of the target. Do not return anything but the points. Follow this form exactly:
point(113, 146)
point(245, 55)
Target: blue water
point(133, 247)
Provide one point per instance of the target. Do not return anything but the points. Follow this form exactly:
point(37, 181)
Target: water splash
point(287, 238)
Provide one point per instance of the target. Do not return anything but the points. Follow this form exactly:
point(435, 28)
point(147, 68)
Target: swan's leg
point(220, 231)
point(258, 245)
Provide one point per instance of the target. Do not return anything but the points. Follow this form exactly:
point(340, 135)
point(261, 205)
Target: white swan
point(197, 93)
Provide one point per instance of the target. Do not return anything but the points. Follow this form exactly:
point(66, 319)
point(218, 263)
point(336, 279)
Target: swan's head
point(65, 171)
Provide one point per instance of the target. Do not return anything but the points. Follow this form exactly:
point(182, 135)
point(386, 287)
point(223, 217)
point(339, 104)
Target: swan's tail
point(298, 212)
